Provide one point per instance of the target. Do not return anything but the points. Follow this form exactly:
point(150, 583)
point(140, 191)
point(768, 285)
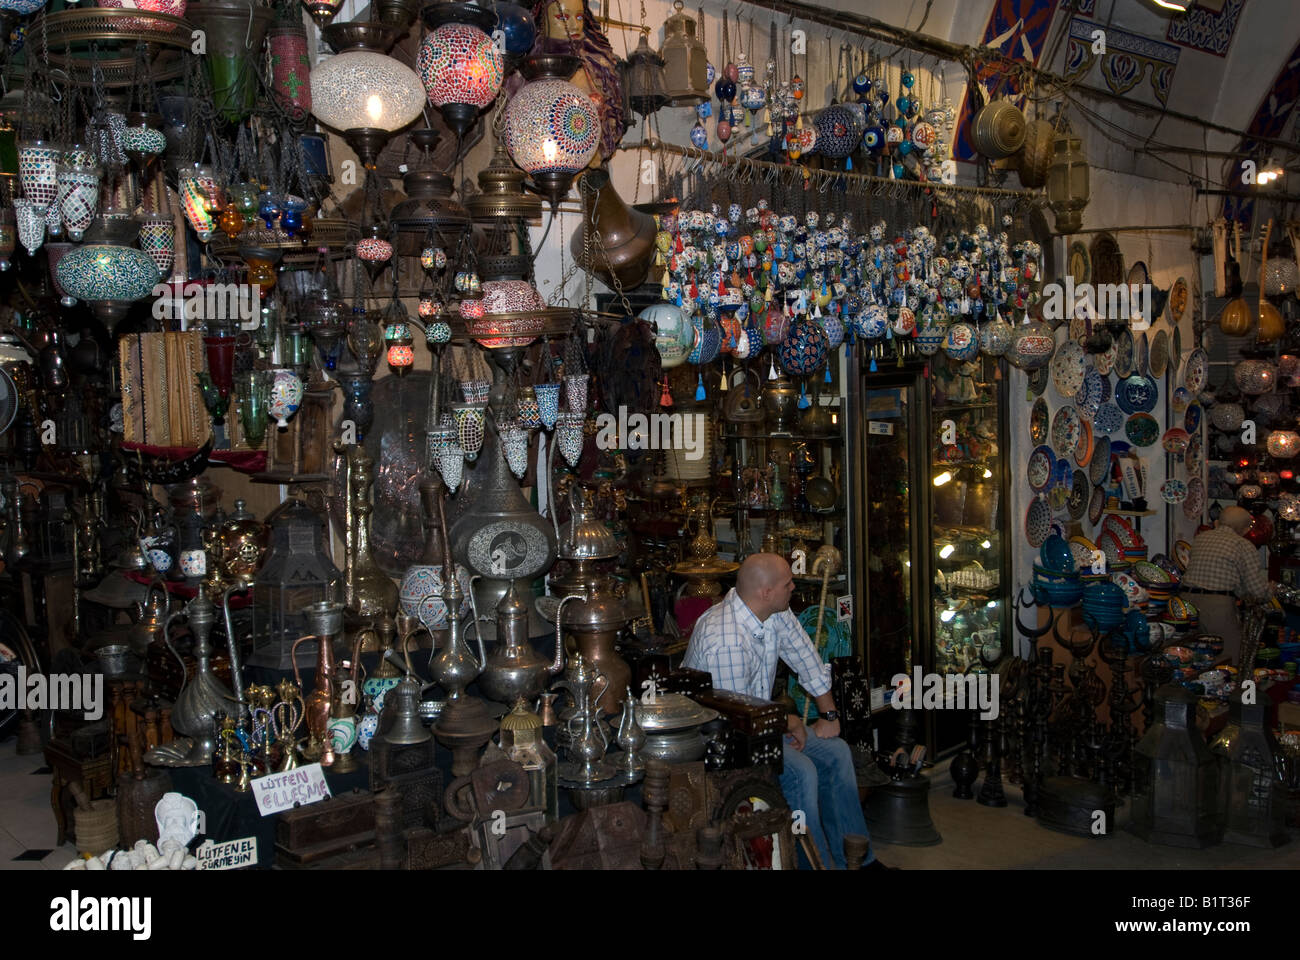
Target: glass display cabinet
point(933, 570)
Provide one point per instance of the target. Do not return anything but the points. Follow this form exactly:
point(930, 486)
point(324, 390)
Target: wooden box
point(341, 823)
point(748, 715)
point(302, 451)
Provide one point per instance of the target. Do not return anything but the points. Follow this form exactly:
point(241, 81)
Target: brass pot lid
point(672, 711)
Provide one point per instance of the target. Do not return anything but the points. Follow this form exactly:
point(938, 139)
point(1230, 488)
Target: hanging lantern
point(290, 67)
point(362, 91)
point(200, 198)
point(78, 197)
point(552, 129)
point(401, 355)
point(643, 79)
point(261, 266)
point(1068, 187)
point(459, 64)
point(235, 30)
point(322, 11)
point(110, 278)
point(685, 71)
point(11, 10)
point(158, 240)
point(38, 172)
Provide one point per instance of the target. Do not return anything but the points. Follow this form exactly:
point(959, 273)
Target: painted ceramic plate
point(1096, 505)
point(1038, 522)
point(1182, 552)
point(1138, 275)
point(1109, 418)
point(1091, 395)
point(1194, 503)
point(1137, 394)
point(1180, 399)
point(1173, 491)
point(1038, 419)
point(1038, 380)
point(1142, 430)
point(1143, 358)
point(1109, 545)
point(1077, 504)
point(1104, 362)
point(1038, 469)
point(1079, 263)
point(1159, 354)
point(1176, 352)
point(1083, 550)
point(1124, 354)
point(1083, 449)
point(1177, 300)
point(1197, 371)
point(1066, 430)
point(1078, 327)
point(1099, 466)
point(1192, 418)
point(1068, 369)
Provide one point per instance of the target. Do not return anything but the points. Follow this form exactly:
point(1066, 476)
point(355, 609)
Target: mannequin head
point(765, 584)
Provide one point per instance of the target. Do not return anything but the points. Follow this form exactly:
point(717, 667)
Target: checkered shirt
point(1223, 560)
point(741, 652)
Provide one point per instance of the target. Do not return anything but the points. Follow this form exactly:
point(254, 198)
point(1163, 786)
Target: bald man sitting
point(1223, 565)
point(739, 641)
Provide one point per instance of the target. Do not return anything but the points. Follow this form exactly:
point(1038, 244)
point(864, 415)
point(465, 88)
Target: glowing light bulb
point(947, 551)
point(986, 544)
point(987, 473)
point(375, 107)
point(947, 615)
point(942, 478)
point(550, 149)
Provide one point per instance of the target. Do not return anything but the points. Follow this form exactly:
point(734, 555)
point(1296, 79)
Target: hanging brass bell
point(686, 81)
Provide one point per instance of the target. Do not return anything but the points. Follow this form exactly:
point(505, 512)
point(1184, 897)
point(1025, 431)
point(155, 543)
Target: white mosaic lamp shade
point(361, 89)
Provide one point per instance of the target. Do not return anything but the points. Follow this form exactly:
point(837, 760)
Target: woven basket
point(96, 828)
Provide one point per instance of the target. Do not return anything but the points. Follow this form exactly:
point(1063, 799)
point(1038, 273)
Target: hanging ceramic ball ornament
point(838, 133)
point(962, 342)
point(1032, 346)
point(804, 349)
point(996, 336)
point(552, 129)
point(460, 66)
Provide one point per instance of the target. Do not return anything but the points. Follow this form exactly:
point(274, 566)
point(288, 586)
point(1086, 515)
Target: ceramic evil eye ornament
point(710, 73)
point(996, 336)
point(796, 87)
point(904, 322)
point(700, 136)
point(930, 337)
point(962, 342)
point(724, 130)
point(834, 330)
point(725, 89)
point(861, 85)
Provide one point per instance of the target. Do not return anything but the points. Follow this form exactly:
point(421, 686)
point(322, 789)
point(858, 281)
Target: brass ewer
point(326, 618)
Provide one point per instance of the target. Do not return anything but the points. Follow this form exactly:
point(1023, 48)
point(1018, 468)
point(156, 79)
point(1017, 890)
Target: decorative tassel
point(873, 361)
point(771, 373)
point(828, 374)
point(848, 163)
point(722, 387)
point(665, 398)
point(804, 402)
point(699, 388)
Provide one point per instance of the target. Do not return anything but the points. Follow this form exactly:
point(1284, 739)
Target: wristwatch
point(831, 715)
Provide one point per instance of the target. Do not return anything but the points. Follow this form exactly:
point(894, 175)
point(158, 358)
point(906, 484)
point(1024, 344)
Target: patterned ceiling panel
point(1207, 27)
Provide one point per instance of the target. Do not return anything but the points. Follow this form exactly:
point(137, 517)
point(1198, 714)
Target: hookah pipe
point(829, 559)
point(1037, 707)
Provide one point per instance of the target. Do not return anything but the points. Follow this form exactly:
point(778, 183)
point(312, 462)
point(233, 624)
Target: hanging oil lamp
point(685, 59)
point(459, 63)
point(401, 355)
point(552, 129)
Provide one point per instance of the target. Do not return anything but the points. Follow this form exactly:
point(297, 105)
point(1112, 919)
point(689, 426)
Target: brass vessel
point(616, 242)
point(370, 595)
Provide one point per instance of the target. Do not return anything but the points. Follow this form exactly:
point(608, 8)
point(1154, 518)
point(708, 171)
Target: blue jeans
point(820, 781)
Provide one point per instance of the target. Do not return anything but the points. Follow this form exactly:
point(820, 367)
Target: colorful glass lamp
point(458, 62)
point(110, 278)
point(552, 128)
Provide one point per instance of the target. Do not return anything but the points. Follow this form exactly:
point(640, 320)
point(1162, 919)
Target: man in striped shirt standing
point(739, 642)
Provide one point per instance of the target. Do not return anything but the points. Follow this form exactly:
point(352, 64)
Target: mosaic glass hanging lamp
point(552, 129)
point(459, 63)
point(108, 277)
point(362, 91)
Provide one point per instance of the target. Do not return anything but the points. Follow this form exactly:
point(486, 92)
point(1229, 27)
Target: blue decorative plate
point(1038, 469)
point(1124, 354)
point(1192, 418)
point(1038, 522)
point(1099, 465)
point(1137, 394)
point(1109, 418)
point(1142, 429)
point(1090, 395)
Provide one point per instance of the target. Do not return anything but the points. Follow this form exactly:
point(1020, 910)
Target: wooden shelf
point(1130, 513)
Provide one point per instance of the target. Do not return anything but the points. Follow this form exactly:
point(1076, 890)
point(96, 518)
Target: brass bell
point(643, 79)
point(685, 60)
point(407, 728)
point(899, 812)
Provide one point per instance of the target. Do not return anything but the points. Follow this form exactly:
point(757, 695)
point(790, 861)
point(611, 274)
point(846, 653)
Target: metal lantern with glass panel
point(1068, 187)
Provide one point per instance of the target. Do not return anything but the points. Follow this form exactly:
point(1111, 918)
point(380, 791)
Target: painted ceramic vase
point(286, 396)
point(962, 341)
point(420, 594)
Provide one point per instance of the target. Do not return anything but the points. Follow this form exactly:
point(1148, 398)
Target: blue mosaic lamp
point(110, 278)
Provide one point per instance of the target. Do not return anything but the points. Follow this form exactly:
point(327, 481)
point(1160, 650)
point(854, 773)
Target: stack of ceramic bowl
point(1103, 605)
point(1159, 584)
point(1056, 578)
point(1181, 658)
point(1181, 614)
point(1125, 541)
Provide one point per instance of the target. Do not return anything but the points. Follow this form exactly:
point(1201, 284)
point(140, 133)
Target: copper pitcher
point(622, 239)
point(319, 703)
